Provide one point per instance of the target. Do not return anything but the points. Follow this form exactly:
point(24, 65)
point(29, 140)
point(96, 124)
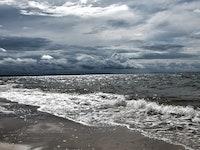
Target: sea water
point(162, 106)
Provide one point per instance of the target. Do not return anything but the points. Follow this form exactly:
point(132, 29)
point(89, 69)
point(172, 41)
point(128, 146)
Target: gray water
point(162, 106)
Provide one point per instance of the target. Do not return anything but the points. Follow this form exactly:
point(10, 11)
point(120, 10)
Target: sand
point(28, 129)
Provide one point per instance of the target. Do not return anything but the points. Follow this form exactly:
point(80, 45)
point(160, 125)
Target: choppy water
point(162, 106)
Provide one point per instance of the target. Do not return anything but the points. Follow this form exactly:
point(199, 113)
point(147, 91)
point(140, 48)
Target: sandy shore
point(28, 129)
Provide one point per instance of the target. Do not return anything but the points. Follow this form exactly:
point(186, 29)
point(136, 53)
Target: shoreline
point(27, 128)
point(104, 73)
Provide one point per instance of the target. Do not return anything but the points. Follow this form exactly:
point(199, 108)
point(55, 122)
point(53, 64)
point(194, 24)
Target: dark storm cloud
point(163, 47)
point(8, 13)
point(23, 43)
point(167, 56)
point(118, 23)
point(196, 35)
point(91, 36)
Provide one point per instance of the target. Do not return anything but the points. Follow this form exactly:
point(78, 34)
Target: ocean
point(160, 106)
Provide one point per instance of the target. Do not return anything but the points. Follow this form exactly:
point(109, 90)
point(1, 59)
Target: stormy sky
point(99, 36)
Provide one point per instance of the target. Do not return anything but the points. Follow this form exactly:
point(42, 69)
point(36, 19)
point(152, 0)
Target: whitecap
point(168, 122)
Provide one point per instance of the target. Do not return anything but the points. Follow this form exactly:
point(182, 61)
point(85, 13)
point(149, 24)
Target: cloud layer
point(79, 8)
point(99, 36)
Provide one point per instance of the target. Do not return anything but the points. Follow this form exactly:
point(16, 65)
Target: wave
point(173, 123)
point(5, 111)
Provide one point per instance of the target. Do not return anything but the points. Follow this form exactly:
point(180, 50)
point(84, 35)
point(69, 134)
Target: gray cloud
point(118, 23)
point(22, 43)
point(43, 36)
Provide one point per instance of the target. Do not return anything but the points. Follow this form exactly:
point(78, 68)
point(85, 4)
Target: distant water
point(162, 106)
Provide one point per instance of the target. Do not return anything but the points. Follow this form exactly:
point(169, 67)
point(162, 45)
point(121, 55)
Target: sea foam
point(5, 111)
point(172, 123)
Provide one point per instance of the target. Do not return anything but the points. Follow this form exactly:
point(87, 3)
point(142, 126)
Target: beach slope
point(22, 127)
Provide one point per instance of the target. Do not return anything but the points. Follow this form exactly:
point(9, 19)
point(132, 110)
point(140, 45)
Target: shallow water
point(160, 106)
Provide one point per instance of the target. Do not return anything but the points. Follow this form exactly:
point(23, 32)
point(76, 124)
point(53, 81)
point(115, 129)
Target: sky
point(99, 36)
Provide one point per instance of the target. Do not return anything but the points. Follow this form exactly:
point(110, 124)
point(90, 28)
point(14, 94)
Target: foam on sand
point(6, 146)
point(5, 111)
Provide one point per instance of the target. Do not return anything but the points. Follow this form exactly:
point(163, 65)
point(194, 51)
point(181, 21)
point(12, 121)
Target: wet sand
point(28, 129)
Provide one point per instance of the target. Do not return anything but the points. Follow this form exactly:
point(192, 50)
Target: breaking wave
point(171, 123)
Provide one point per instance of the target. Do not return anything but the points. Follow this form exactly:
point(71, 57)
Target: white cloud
point(18, 61)
point(88, 1)
point(46, 57)
point(83, 8)
point(197, 10)
point(84, 1)
point(116, 61)
point(26, 28)
point(3, 50)
point(6, 2)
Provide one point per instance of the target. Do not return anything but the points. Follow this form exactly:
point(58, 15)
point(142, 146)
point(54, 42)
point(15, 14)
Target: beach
point(22, 127)
point(99, 74)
